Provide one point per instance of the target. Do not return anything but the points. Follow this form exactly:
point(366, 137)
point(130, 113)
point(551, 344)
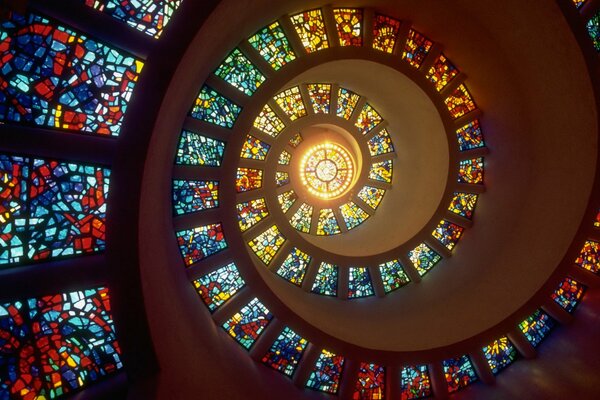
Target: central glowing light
point(327, 170)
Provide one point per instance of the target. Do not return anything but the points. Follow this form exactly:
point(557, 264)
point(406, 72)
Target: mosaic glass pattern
point(393, 275)
point(371, 196)
point(459, 373)
point(296, 140)
point(287, 199)
point(310, 27)
point(385, 30)
point(460, 102)
point(284, 158)
point(346, 103)
point(327, 223)
point(568, 294)
point(290, 101)
point(248, 179)
point(416, 48)
point(320, 97)
point(348, 22)
point(239, 72)
point(148, 16)
point(282, 178)
point(50, 209)
point(198, 243)
point(441, 72)
point(268, 122)
point(423, 258)
point(285, 353)
point(381, 171)
point(370, 383)
point(254, 149)
point(326, 280)
point(368, 119)
point(326, 373)
point(57, 344)
point(536, 327)
point(301, 219)
point(193, 196)
point(415, 382)
point(463, 204)
point(216, 287)
point(55, 77)
point(273, 46)
point(195, 149)
point(593, 28)
point(246, 325)
point(294, 266)
point(589, 257)
point(359, 283)
point(380, 143)
point(326, 170)
point(267, 244)
point(447, 233)
point(499, 354)
point(214, 108)
point(353, 215)
point(597, 220)
point(578, 3)
point(471, 171)
point(470, 136)
point(249, 213)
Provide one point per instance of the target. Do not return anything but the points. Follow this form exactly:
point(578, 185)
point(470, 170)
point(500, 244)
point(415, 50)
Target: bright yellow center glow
point(326, 170)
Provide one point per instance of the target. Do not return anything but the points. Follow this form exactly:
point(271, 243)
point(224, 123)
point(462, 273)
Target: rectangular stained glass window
point(416, 48)
point(246, 325)
point(254, 149)
point(470, 137)
point(296, 140)
point(368, 119)
point(282, 178)
point(415, 382)
point(441, 72)
point(346, 103)
point(463, 204)
point(459, 373)
point(285, 353)
point(195, 149)
point(266, 245)
point(239, 72)
point(448, 233)
point(301, 220)
point(310, 27)
point(268, 122)
point(248, 179)
point(589, 257)
point(499, 354)
point(294, 266)
point(372, 196)
point(385, 30)
point(273, 46)
point(536, 327)
point(569, 294)
point(359, 283)
point(291, 103)
point(423, 258)
point(593, 28)
point(327, 223)
point(370, 383)
point(393, 275)
point(214, 108)
point(380, 143)
point(471, 171)
point(460, 102)
point(194, 196)
point(198, 243)
point(56, 77)
point(326, 373)
point(284, 158)
point(320, 97)
point(348, 22)
point(216, 287)
point(326, 281)
point(381, 171)
point(286, 200)
point(353, 215)
point(50, 209)
point(251, 212)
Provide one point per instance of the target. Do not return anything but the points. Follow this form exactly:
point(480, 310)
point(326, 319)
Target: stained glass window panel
point(254, 149)
point(326, 280)
point(380, 143)
point(589, 257)
point(287, 199)
point(415, 382)
point(346, 103)
point(536, 327)
point(320, 97)
point(593, 28)
point(353, 215)
point(568, 294)
point(216, 287)
point(459, 373)
point(195, 149)
point(246, 325)
point(470, 136)
point(310, 27)
point(267, 244)
point(58, 78)
point(214, 108)
point(14, 189)
point(448, 233)
point(416, 48)
point(281, 178)
point(327, 223)
point(463, 204)
point(294, 266)
point(284, 158)
point(597, 220)
point(239, 72)
point(471, 171)
point(381, 171)
point(359, 283)
point(371, 382)
point(393, 275)
point(248, 179)
point(578, 3)
point(290, 101)
point(193, 196)
point(249, 213)
point(273, 45)
point(499, 354)
point(423, 258)
point(301, 220)
point(371, 196)
point(368, 119)
point(285, 353)
point(326, 373)
point(198, 243)
point(148, 16)
point(441, 72)
point(385, 30)
point(296, 140)
point(348, 22)
point(460, 102)
point(268, 122)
